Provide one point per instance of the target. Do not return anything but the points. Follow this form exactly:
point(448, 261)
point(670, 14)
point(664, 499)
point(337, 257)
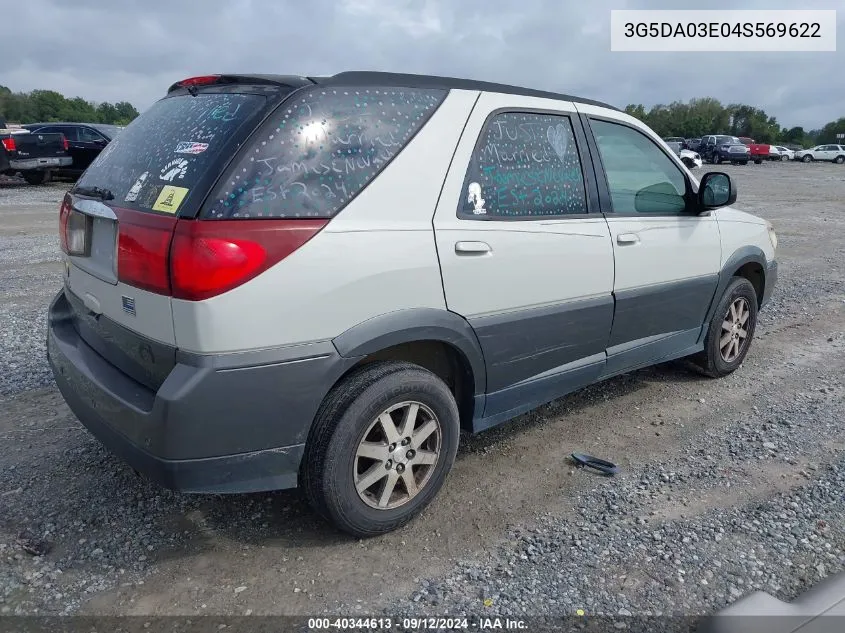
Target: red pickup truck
point(758, 151)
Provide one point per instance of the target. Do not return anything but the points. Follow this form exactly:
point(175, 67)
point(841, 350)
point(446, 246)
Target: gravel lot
point(726, 486)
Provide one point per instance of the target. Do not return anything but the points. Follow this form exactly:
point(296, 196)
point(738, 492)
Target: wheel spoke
point(410, 419)
point(727, 325)
point(390, 431)
point(743, 317)
point(373, 450)
point(389, 486)
point(734, 350)
point(421, 434)
point(727, 338)
point(410, 482)
point(734, 315)
point(742, 333)
point(425, 458)
point(375, 473)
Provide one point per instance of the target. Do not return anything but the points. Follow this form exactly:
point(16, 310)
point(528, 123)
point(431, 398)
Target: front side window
point(526, 165)
point(642, 179)
point(88, 135)
point(320, 150)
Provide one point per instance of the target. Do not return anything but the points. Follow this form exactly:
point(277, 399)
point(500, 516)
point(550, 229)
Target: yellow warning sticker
point(170, 198)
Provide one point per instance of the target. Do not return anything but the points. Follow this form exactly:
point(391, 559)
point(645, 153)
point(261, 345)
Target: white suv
point(834, 153)
point(275, 281)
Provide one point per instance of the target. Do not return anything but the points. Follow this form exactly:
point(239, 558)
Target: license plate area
point(92, 244)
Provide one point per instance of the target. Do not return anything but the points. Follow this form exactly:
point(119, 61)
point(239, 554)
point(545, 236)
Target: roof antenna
point(192, 90)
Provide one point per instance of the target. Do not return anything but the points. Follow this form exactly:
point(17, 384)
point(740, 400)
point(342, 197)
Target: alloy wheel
point(397, 455)
point(735, 330)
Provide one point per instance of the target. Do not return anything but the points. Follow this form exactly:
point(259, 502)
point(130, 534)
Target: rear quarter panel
point(378, 255)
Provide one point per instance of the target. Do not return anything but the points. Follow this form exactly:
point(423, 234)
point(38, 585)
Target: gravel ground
point(726, 486)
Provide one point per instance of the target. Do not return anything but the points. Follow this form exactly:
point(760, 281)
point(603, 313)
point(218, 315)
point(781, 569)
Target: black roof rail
point(353, 78)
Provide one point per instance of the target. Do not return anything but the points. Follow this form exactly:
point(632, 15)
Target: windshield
point(156, 161)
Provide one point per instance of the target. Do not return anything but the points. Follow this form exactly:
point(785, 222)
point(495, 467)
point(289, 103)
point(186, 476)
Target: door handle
point(627, 238)
point(472, 248)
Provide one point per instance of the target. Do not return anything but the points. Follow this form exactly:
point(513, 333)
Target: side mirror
point(716, 190)
point(101, 142)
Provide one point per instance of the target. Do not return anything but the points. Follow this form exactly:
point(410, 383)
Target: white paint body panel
point(531, 263)
point(739, 229)
point(152, 317)
point(376, 256)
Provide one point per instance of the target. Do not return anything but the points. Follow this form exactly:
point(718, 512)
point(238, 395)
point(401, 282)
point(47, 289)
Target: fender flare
point(740, 257)
point(416, 324)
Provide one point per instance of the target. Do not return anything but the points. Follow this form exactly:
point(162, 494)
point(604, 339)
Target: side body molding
point(415, 324)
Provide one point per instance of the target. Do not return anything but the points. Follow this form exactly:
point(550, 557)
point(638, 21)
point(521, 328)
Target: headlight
point(773, 237)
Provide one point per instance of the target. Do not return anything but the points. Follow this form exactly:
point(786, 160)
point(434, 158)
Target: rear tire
point(360, 435)
point(758, 161)
point(726, 344)
point(839, 160)
point(35, 177)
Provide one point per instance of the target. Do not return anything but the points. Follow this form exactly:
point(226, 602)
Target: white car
point(280, 281)
point(834, 153)
point(777, 152)
point(690, 158)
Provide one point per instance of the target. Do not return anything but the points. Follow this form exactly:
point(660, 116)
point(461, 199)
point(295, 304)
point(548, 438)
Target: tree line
point(698, 117)
point(47, 105)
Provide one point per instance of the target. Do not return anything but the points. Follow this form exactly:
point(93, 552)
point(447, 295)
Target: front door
point(524, 256)
point(667, 257)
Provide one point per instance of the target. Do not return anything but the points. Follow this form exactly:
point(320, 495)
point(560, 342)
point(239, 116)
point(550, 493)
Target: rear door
point(523, 258)
point(667, 259)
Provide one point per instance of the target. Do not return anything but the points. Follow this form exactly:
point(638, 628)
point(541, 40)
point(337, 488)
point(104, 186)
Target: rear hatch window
point(164, 159)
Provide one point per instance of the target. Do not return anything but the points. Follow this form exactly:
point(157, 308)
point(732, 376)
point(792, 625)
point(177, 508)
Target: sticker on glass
point(170, 198)
point(556, 135)
point(475, 199)
point(174, 169)
point(132, 196)
point(191, 147)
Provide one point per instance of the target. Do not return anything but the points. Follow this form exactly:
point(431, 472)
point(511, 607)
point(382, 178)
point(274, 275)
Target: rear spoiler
point(288, 81)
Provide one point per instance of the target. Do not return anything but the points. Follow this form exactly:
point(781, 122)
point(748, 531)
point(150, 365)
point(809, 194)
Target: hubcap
point(397, 455)
point(735, 330)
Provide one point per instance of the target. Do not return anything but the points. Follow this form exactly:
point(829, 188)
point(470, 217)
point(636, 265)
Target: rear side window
point(160, 157)
point(524, 166)
point(319, 150)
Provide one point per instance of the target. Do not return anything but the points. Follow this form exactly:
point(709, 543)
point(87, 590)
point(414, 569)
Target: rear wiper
point(95, 192)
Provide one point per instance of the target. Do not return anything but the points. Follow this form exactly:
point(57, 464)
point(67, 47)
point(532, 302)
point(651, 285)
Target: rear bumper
point(40, 163)
point(770, 282)
point(215, 425)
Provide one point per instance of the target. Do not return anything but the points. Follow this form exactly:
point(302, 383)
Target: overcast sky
point(93, 49)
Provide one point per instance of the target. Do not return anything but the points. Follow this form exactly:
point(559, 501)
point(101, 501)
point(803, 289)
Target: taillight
point(9, 144)
point(143, 246)
point(65, 143)
point(210, 257)
point(64, 214)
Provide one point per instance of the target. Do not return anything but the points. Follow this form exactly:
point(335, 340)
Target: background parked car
point(33, 156)
point(86, 141)
point(758, 151)
point(692, 144)
point(717, 148)
point(779, 152)
point(834, 153)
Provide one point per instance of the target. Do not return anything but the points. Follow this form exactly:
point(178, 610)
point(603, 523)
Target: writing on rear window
point(174, 143)
point(320, 150)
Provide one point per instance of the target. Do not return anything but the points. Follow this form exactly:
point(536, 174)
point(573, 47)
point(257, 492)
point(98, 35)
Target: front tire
point(807, 159)
point(784, 157)
point(758, 161)
point(381, 447)
point(730, 332)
